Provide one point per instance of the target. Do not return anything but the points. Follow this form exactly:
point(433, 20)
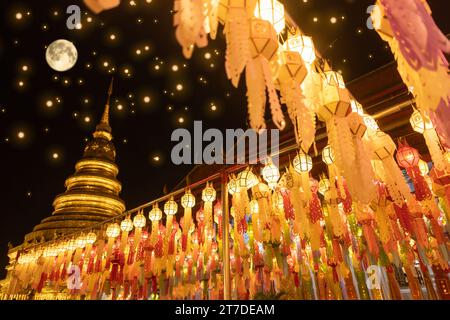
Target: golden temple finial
point(105, 116)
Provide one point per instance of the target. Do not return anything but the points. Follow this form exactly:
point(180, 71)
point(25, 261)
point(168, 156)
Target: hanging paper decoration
point(271, 174)
point(193, 20)
point(208, 196)
point(291, 73)
point(187, 202)
point(421, 123)
point(126, 226)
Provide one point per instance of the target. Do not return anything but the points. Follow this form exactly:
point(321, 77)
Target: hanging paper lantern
point(371, 124)
point(246, 179)
point(170, 207)
point(301, 44)
point(271, 174)
point(126, 225)
point(421, 123)
point(188, 200)
point(208, 196)
point(91, 238)
point(407, 156)
point(327, 155)
point(302, 163)
point(113, 230)
point(155, 214)
point(263, 39)
point(139, 221)
point(292, 68)
point(272, 11)
point(98, 6)
point(336, 98)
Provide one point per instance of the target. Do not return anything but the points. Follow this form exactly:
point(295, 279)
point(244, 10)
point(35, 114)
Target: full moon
point(61, 55)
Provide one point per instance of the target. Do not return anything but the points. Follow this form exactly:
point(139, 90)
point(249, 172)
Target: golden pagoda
point(92, 192)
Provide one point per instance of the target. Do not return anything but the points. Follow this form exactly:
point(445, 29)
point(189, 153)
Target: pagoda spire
point(105, 116)
point(103, 129)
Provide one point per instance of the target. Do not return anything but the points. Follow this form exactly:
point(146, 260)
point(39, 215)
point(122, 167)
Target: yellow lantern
point(303, 45)
point(271, 11)
point(327, 155)
point(139, 221)
point(336, 98)
point(155, 214)
point(170, 207)
point(383, 145)
point(292, 67)
point(126, 225)
point(263, 39)
point(302, 163)
point(113, 230)
point(188, 200)
point(209, 194)
point(246, 179)
point(271, 174)
point(91, 238)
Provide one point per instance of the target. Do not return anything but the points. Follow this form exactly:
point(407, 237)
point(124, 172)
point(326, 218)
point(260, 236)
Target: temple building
point(92, 192)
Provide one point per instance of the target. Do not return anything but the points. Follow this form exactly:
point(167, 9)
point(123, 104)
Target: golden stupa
point(92, 192)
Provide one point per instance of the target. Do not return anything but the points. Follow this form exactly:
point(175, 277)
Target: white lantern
point(126, 225)
point(170, 207)
point(246, 179)
point(188, 200)
point(112, 231)
point(209, 194)
point(91, 238)
point(302, 163)
point(139, 221)
point(155, 214)
point(272, 11)
point(271, 174)
point(327, 155)
point(303, 45)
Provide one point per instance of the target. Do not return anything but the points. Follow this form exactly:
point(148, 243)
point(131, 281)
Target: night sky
point(45, 116)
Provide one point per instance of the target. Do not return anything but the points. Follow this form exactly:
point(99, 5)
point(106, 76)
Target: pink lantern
point(98, 6)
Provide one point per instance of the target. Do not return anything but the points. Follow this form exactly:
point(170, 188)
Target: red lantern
point(407, 157)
